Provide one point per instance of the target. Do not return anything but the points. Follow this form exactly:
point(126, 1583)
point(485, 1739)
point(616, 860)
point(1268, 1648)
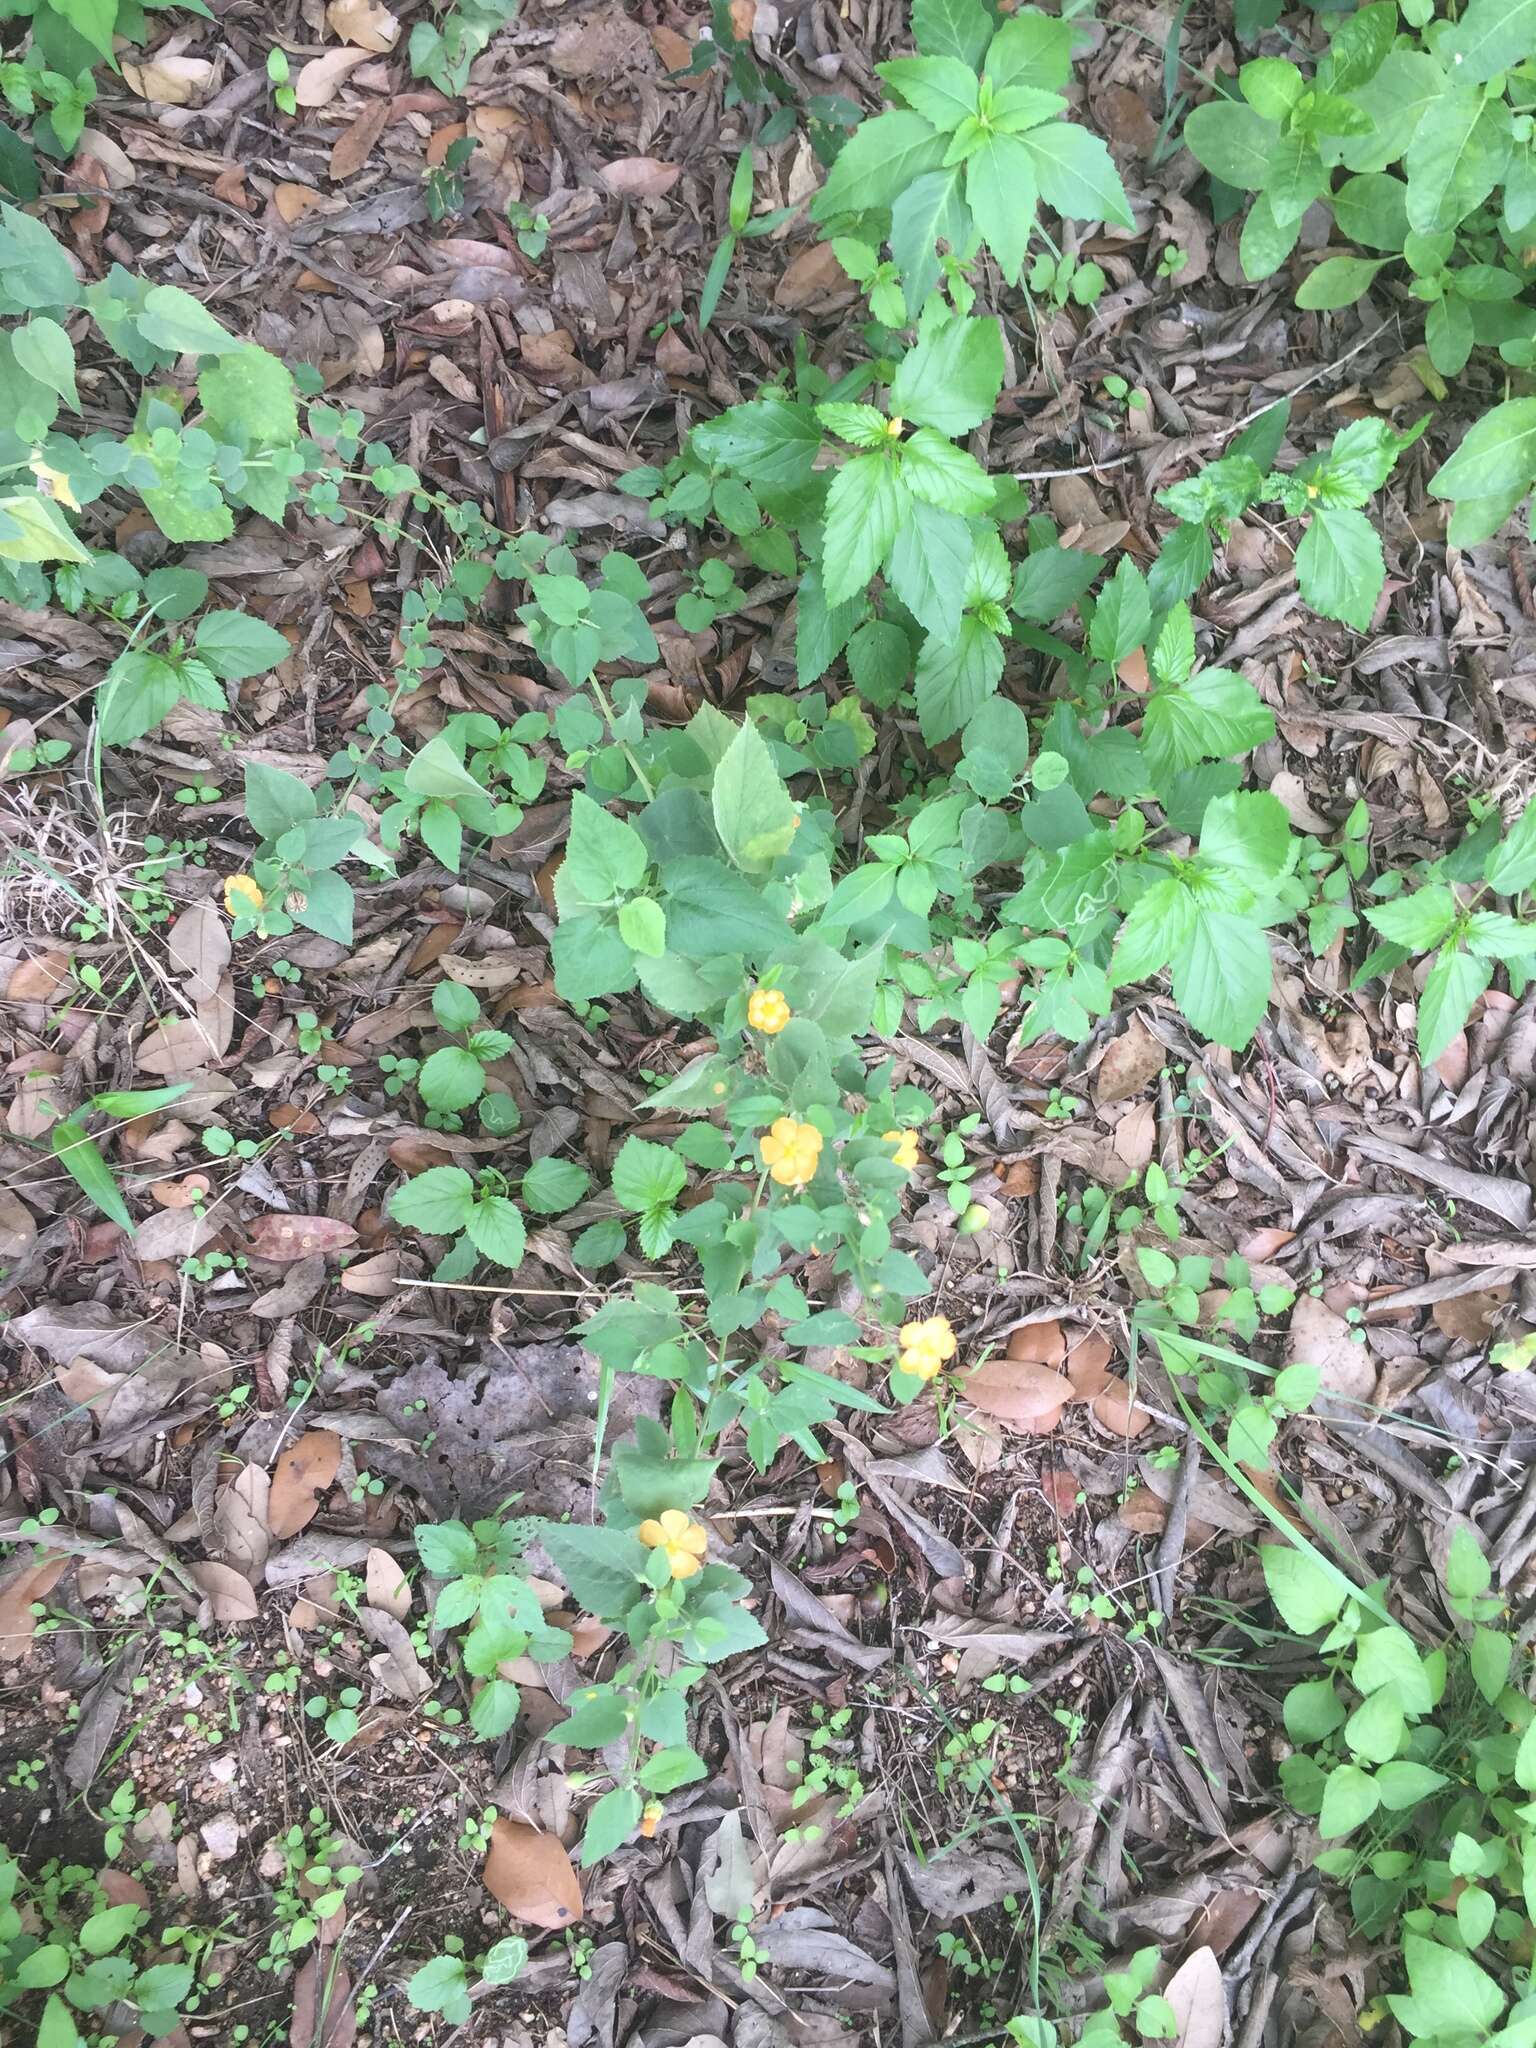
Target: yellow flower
point(926, 1347)
point(242, 895)
point(53, 483)
point(906, 1154)
point(682, 1542)
point(767, 1011)
point(791, 1151)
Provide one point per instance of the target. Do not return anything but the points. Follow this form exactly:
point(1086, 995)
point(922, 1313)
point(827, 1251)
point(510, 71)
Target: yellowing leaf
point(169, 81)
point(32, 529)
point(364, 23)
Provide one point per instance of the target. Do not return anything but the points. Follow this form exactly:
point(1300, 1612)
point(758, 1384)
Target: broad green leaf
point(496, 1230)
point(952, 28)
point(1489, 1661)
point(1271, 86)
point(1297, 175)
point(57, 2027)
point(1222, 975)
point(647, 1176)
point(821, 630)
point(878, 162)
point(1419, 920)
point(1388, 1657)
point(1266, 241)
point(447, 1549)
point(1451, 987)
point(46, 352)
point(951, 379)
point(1496, 454)
point(1374, 1731)
point(774, 443)
point(942, 89)
point(1350, 1797)
point(1373, 210)
point(643, 927)
point(92, 20)
point(1031, 48)
point(604, 857)
point(1050, 580)
point(1122, 618)
point(1001, 190)
point(33, 529)
point(1076, 174)
point(1339, 566)
point(944, 475)
point(929, 564)
point(1492, 36)
point(554, 1185)
point(1360, 43)
point(1233, 143)
point(1450, 1996)
point(1457, 156)
point(173, 319)
point(441, 1985)
point(250, 395)
point(1511, 866)
point(238, 644)
point(437, 1201)
point(604, 1568)
point(1217, 713)
point(754, 813)
point(104, 1932)
point(1307, 1598)
point(451, 1078)
point(930, 211)
point(610, 1823)
point(1249, 834)
point(865, 509)
point(955, 678)
point(1338, 281)
point(34, 271)
point(1313, 1710)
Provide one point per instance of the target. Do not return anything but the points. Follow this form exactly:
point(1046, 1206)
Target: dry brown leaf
point(813, 278)
point(173, 1234)
point(39, 979)
point(323, 77)
point(1043, 1343)
point(240, 1522)
point(373, 1277)
point(1320, 1336)
point(294, 201)
point(281, 1238)
point(387, 1586)
point(199, 946)
point(354, 145)
point(1129, 1063)
point(1198, 2000)
point(1135, 1135)
point(169, 81)
point(302, 1473)
point(18, 1226)
point(1113, 1409)
point(183, 1193)
point(531, 1874)
point(1087, 1364)
point(365, 23)
point(1470, 1317)
point(1025, 1395)
point(177, 1044)
point(640, 177)
point(324, 2015)
point(230, 1594)
point(34, 1582)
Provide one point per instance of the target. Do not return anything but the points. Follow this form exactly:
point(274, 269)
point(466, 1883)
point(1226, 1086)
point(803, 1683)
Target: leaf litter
point(946, 1726)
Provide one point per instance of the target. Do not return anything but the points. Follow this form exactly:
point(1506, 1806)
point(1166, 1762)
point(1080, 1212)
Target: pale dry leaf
point(531, 1874)
point(1320, 1336)
point(302, 1473)
point(1016, 1391)
point(322, 78)
point(1114, 1409)
point(813, 278)
point(199, 947)
point(230, 1594)
point(365, 23)
point(34, 1582)
point(18, 1226)
point(38, 979)
point(173, 1234)
point(177, 1044)
point(386, 1585)
point(1135, 1135)
point(1129, 1063)
point(281, 1239)
point(1198, 2000)
point(640, 177)
point(240, 1522)
point(294, 201)
point(169, 81)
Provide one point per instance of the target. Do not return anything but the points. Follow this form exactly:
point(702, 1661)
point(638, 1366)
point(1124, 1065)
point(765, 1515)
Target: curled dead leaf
point(530, 1873)
point(640, 177)
point(169, 81)
point(302, 1473)
point(1116, 1410)
point(322, 78)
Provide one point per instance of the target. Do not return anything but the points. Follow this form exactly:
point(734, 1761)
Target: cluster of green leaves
point(300, 847)
point(52, 84)
point(448, 1983)
point(476, 1212)
point(976, 141)
point(67, 1957)
point(1420, 1767)
point(483, 1591)
point(1425, 115)
point(443, 50)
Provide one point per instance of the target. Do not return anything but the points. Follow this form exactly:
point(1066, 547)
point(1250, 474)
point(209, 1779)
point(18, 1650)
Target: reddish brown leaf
point(1019, 1392)
point(1114, 1410)
point(283, 1238)
point(17, 1593)
point(531, 1874)
point(300, 1476)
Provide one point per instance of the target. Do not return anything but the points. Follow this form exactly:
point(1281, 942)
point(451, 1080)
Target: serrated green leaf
point(437, 1201)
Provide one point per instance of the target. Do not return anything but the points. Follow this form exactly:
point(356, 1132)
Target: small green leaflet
point(1339, 566)
point(951, 379)
point(865, 510)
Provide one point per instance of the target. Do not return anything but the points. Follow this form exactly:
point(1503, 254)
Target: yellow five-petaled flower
point(906, 1154)
point(791, 1151)
point(767, 1011)
point(242, 895)
point(682, 1542)
point(926, 1347)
